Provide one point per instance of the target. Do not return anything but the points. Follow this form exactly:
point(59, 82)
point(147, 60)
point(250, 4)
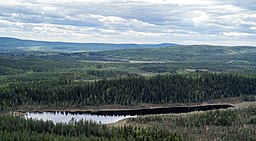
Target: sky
point(215, 22)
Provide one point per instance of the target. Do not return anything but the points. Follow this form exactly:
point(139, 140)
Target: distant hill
point(13, 44)
point(189, 57)
point(186, 53)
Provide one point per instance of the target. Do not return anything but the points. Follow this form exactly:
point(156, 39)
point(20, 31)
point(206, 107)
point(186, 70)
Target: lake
point(61, 117)
point(112, 116)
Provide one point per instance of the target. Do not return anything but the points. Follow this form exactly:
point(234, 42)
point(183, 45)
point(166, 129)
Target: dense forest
point(158, 89)
point(21, 129)
point(232, 124)
point(169, 75)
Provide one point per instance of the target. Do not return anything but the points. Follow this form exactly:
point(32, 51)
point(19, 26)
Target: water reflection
point(111, 116)
point(61, 117)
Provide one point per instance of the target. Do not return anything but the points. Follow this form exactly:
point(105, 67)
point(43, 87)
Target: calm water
point(106, 117)
point(58, 117)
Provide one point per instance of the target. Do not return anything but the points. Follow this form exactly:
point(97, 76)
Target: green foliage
point(20, 129)
point(231, 124)
point(129, 91)
point(248, 97)
point(212, 58)
point(185, 53)
point(98, 78)
point(218, 118)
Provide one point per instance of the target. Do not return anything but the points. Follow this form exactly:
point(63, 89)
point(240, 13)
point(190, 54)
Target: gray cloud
point(138, 21)
point(246, 4)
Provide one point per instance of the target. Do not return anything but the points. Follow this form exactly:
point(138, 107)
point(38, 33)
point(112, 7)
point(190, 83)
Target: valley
point(156, 85)
point(127, 70)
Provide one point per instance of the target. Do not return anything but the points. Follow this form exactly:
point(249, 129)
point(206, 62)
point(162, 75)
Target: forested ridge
point(52, 80)
point(225, 125)
point(171, 88)
point(21, 129)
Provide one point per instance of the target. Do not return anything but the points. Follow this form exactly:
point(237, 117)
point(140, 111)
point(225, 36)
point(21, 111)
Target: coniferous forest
point(17, 128)
point(47, 80)
point(159, 89)
point(127, 70)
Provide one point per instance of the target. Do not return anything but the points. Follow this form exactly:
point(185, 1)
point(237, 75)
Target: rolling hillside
point(186, 53)
point(13, 44)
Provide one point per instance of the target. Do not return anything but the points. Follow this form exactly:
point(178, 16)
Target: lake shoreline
point(43, 108)
point(110, 116)
point(136, 111)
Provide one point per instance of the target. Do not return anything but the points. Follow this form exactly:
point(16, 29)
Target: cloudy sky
point(219, 22)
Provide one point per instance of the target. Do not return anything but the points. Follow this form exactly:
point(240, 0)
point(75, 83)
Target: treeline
point(129, 91)
point(233, 124)
point(109, 73)
point(20, 129)
point(10, 65)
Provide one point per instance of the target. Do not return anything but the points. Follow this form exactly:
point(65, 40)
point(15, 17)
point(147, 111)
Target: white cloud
point(117, 22)
point(199, 17)
point(139, 34)
point(253, 28)
point(181, 2)
point(142, 21)
point(236, 34)
point(111, 31)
